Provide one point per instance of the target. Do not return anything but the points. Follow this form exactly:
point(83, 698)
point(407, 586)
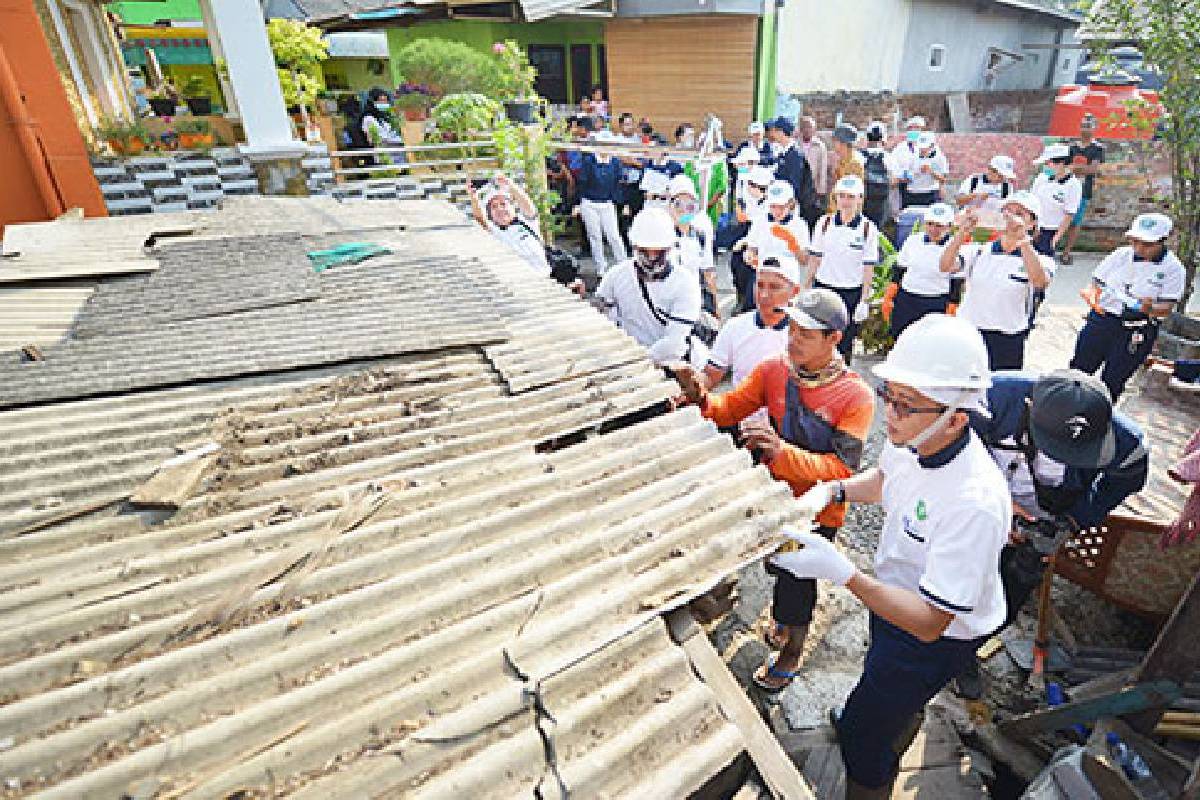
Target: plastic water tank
point(1107, 99)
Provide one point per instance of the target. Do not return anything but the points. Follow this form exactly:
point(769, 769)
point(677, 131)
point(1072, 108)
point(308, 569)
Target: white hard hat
point(781, 262)
point(682, 184)
point(849, 184)
point(654, 182)
point(761, 176)
point(940, 214)
point(747, 155)
point(755, 127)
point(1005, 166)
point(1052, 152)
point(652, 229)
point(939, 352)
point(1027, 201)
point(780, 192)
point(1150, 227)
point(915, 122)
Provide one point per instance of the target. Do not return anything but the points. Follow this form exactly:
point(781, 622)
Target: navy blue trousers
point(1106, 342)
point(850, 297)
point(899, 677)
point(909, 307)
point(1005, 350)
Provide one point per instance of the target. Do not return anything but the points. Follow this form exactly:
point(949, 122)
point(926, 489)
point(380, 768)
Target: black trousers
point(851, 298)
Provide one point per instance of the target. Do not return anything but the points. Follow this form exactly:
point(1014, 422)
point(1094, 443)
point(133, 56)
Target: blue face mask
point(686, 219)
point(382, 106)
point(743, 170)
point(912, 136)
point(1048, 171)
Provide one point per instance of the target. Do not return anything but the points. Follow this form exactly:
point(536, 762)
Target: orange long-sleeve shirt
point(835, 421)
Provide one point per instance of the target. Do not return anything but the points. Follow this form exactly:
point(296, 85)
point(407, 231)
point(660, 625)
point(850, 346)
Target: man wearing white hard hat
point(655, 186)
point(748, 339)
point(844, 252)
point(820, 413)
point(750, 203)
point(695, 238)
point(652, 297)
point(988, 190)
point(919, 286)
point(783, 222)
point(1131, 291)
point(1060, 194)
point(1003, 278)
point(937, 589)
point(921, 182)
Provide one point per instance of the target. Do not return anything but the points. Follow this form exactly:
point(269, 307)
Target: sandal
point(1065, 259)
point(777, 636)
point(769, 670)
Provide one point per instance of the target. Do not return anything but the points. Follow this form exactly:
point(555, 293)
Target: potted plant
point(164, 99)
point(123, 137)
point(194, 134)
point(299, 50)
point(197, 96)
point(414, 99)
point(517, 77)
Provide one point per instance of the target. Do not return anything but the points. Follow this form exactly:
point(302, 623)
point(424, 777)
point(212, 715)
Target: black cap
point(1070, 419)
point(845, 133)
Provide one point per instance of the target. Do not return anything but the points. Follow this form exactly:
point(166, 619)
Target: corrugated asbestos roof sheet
point(436, 574)
point(40, 314)
point(535, 10)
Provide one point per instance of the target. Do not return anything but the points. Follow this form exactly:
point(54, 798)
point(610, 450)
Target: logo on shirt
point(1147, 224)
point(921, 511)
point(1077, 426)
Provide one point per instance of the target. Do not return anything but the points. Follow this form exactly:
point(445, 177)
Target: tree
point(299, 51)
point(1167, 32)
point(449, 67)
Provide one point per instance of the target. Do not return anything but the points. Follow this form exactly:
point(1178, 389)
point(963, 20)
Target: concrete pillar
point(272, 150)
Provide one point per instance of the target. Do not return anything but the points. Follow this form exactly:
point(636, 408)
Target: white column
point(243, 35)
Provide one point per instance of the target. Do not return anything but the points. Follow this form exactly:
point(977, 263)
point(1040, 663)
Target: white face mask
point(688, 139)
point(657, 202)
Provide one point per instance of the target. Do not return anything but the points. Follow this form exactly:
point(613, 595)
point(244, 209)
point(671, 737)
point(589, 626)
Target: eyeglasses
point(900, 408)
point(685, 206)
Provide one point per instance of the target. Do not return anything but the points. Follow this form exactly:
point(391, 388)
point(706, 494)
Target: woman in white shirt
point(1002, 278)
point(695, 237)
point(922, 286)
point(921, 183)
point(376, 122)
point(843, 255)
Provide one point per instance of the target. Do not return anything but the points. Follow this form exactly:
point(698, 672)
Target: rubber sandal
point(772, 672)
point(777, 636)
point(1065, 259)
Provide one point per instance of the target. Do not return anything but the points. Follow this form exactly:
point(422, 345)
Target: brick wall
point(1018, 112)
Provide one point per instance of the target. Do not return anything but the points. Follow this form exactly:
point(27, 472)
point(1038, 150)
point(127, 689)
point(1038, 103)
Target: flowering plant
point(517, 76)
point(414, 96)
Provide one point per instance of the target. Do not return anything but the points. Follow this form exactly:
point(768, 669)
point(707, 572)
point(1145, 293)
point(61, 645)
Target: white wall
point(850, 45)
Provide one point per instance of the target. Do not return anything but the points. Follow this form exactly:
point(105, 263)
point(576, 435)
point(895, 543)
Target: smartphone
point(479, 183)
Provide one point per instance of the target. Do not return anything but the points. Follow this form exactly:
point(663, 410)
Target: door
point(550, 61)
point(581, 71)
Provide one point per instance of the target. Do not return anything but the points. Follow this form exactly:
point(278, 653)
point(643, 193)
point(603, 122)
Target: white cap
point(653, 229)
point(761, 176)
point(604, 135)
point(1005, 166)
point(1027, 201)
point(747, 155)
point(926, 139)
point(940, 214)
point(850, 184)
point(780, 192)
point(682, 184)
point(654, 182)
point(755, 127)
point(1053, 151)
point(781, 262)
point(1149, 227)
point(915, 122)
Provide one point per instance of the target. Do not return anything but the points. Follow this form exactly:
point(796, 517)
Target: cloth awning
point(170, 50)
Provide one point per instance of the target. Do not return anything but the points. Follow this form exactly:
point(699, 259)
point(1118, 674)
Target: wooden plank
point(1158, 694)
point(1174, 655)
point(773, 764)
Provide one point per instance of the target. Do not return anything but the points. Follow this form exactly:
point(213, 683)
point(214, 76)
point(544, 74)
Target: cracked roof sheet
point(424, 574)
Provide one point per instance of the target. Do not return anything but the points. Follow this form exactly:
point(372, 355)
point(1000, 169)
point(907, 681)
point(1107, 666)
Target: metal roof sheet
point(433, 575)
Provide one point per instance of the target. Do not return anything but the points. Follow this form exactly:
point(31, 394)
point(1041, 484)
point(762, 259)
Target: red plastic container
point(1108, 104)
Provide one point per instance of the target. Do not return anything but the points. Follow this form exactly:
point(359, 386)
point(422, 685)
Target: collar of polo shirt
point(854, 223)
point(1162, 257)
point(778, 326)
point(944, 456)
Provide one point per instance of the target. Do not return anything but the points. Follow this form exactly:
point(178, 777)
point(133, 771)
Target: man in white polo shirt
point(507, 212)
point(1134, 288)
point(748, 339)
point(651, 296)
point(937, 589)
point(1060, 194)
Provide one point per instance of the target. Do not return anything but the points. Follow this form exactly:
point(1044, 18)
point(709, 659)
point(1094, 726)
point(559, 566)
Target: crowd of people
point(986, 468)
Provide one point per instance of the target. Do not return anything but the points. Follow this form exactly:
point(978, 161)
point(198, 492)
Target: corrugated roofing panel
point(39, 315)
point(535, 10)
point(435, 576)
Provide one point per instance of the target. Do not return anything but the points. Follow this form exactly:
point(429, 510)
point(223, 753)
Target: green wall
point(768, 59)
point(481, 35)
point(355, 73)
point(145, 13)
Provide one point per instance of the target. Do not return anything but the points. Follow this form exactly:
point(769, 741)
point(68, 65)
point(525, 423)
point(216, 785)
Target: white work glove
point(816, 558)
point(861, 311)
point(815, 499)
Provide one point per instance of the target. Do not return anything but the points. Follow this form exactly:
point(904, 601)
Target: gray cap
point(818, 310)
point(845, 133)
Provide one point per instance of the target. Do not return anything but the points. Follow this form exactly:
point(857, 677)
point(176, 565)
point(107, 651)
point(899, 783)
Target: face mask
point(743, 170)
point(1048, 171)
point(382, 106)
point(656, 203)
point(912, 136)
point(652, 267)
point(688, 140)
point(686, 219)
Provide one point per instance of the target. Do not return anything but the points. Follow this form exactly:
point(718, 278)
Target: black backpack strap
point(646, 296)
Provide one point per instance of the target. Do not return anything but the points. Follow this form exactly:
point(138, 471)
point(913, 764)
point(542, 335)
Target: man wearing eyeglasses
point(936, 591)
point(818, 416)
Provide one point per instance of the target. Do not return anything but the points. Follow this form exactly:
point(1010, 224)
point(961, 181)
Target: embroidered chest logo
point(1077, 426)
point(921, 511)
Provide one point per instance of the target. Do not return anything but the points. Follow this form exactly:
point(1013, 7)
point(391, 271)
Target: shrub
point(449, 67)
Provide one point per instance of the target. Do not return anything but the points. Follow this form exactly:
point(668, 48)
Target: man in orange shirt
point(819, 416)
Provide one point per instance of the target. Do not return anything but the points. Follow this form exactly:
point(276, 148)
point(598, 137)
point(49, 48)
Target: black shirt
point(793, 168)
point(1092, 154)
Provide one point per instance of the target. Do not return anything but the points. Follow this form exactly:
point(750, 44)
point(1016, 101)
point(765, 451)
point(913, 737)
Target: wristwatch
point(839, 492)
